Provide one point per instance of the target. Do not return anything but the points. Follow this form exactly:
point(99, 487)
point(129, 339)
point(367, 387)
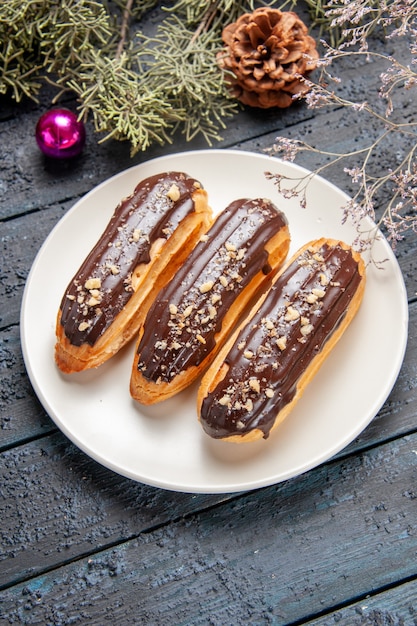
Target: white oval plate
point(164, 445)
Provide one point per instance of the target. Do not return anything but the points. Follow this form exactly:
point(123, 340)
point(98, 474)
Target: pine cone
point(267, 51)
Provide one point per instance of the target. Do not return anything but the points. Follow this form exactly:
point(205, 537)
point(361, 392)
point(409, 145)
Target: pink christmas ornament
point(59, 134)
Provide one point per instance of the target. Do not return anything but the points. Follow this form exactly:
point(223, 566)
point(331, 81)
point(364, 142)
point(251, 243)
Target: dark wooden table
point(81, 544)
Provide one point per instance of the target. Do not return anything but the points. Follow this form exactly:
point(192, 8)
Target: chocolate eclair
point(262, 371)
point(149, 235)
point(191, 317)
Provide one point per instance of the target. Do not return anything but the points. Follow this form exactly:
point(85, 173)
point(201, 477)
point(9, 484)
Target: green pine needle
point(134, 88)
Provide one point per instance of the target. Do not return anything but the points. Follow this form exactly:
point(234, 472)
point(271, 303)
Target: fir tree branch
point(121, 104)
point(185, 69)
point(206, 21)
point(124, 27)
point(137, 89)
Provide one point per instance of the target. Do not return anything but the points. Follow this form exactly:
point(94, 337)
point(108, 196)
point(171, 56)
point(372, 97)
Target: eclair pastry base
point(240, 390)
point(147, 239)
point(192, 316)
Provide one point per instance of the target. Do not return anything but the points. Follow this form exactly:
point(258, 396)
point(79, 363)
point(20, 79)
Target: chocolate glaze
point(182, 323)
point(137, 222)
point(262, 376)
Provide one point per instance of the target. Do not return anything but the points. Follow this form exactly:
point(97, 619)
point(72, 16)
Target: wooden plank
point(278, 555)
point(393, 607)
point(21, 415)
point(49, 489)
point(21, 240)
point(29, 181)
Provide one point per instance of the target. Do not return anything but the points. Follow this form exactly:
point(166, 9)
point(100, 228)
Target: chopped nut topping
point(200, 338)
point(307, 329)
point(324, 280)
point(174, 192)
point(215, 298)
point(282, 342)
point(248, 354)
point(128, 283)
point(225, 400)
point(230, 247)
point(188, 310)
point(70, 297)
point(291, 314)
point(248, 405)
point(136, 234)
point(241, 345)
point(223, 281)
point(237, 277)
point(205, 287)
point(173, 309)
point(269, 324)
point(320, 293)
point(93, 301)
point(83, 326)
point(92, 283)
point(311, 298)
point(269, 392)
point(212, 312)
point(254, 385)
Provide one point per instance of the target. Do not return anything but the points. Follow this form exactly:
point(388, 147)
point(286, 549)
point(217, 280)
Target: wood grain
point(82, 545)
point(335, 534)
